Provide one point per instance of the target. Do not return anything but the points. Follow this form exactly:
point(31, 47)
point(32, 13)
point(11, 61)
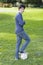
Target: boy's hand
point(24, 22)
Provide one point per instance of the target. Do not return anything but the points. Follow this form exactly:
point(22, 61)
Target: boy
point(20, 32)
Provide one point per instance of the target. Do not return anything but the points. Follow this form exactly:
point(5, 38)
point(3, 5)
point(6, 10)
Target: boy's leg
point(19, 40)
point(27, 40)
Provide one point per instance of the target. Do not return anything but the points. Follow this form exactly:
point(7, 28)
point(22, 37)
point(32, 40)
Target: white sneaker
point(16, 59)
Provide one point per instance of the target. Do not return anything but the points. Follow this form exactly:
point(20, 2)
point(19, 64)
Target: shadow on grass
point(7, 23)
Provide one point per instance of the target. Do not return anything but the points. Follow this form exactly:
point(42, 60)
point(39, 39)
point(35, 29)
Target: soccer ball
point(24, 56)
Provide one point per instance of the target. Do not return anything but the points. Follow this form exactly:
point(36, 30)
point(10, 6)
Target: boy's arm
point(21, 22)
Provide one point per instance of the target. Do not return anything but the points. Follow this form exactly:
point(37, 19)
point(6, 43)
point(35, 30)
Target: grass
point(33, 27)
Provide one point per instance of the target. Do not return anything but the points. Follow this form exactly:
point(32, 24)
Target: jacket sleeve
point(20, 21)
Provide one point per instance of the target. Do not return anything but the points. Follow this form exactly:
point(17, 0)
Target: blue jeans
point(21, 36)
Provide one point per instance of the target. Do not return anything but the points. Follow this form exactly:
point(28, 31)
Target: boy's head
point(21, 8)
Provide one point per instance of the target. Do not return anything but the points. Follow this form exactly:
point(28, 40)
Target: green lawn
point(33, 27)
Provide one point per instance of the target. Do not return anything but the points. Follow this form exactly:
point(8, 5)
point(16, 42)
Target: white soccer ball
point(24, 56)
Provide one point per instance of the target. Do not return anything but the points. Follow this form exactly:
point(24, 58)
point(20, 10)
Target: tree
point(26, 2)
point(3, 0)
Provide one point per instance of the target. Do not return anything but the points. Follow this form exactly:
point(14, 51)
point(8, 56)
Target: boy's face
point(22, 10)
